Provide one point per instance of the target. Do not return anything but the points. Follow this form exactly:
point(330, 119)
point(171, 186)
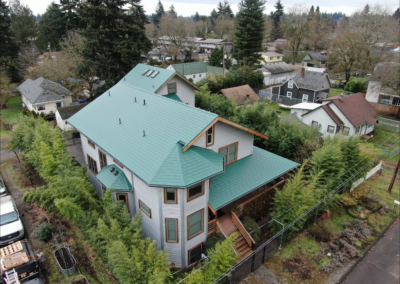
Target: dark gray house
point(305, 86)
point(314, 59)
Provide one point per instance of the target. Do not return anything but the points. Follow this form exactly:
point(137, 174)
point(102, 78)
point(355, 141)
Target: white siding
point(319, 115)
point(196, 77)
point(63, 124)
point(373, 91)
point(225, 135)
point(184, 91)
point(346, 122)
point(299, 112)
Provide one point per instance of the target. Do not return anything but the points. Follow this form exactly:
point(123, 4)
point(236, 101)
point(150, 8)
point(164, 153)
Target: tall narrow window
point(195, 224)
point(123, 197)
point(195, 253)
point(305, 98)
point(195, 191)
point(290, 84)
point(103, 159)
point(172, 88)
point(230, 153)
point(210, 136)
point(92, 165)
point(170, 195)
point(171, 230)
point(357, 129)
point(144, 208)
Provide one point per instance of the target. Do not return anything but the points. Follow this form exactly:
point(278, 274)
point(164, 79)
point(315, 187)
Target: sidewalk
point(382, 263)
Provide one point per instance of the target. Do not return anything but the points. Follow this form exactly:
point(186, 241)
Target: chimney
point(302, 72)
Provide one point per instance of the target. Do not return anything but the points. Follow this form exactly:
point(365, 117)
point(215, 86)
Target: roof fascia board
point(187, 81)
point(48, 102)
point(227, 122)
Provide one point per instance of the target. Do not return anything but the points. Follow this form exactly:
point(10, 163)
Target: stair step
point(242, 247)
point(245, 254)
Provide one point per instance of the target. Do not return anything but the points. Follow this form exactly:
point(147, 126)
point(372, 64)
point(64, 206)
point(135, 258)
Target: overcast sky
point(204, 7)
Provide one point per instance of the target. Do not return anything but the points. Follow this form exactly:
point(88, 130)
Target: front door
point(305, 98)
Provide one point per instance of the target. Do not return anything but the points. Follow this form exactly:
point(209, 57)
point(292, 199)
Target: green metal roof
point(148, 134)
point(173, 97)
point(195, 67)
point(135, 77)
point(246, 175)
point(110, 180)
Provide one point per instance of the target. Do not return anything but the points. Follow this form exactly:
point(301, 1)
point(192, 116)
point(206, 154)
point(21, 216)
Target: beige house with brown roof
point(240, 95)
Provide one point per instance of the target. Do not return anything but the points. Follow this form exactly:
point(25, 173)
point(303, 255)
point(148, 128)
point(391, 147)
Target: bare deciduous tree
point(224, 27)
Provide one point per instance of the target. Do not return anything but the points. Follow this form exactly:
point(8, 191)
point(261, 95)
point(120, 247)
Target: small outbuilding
point(63, 113)
point(240, 95)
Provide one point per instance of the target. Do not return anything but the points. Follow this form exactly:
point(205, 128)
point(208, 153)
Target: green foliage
point(213, 240)
point(23, 25)
point(52, 27)
point(323, 231)
point(356, 85)
point(216, 104)
point(277, 15)
point(44, 232)
point(251, 227)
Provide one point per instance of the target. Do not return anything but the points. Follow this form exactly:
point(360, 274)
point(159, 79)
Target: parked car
point(11, 228)
point(3, 190)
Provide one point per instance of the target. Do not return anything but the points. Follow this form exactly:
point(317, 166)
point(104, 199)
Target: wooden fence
point(212, 227)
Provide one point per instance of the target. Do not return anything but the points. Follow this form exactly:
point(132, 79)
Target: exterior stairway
point(228, 228)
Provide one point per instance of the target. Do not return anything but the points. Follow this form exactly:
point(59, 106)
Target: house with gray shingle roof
point(181, 167)
point(63, 113)
point(315, 59)
point(44, 96)
point(195, 70)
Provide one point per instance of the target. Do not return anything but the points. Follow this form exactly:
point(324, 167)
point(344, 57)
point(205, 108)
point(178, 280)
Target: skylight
point(145, 71)
point(148, 74)
point(155, 74)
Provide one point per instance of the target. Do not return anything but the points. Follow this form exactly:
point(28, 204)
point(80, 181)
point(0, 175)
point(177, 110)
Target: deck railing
point(242, 230)
point(212, 227)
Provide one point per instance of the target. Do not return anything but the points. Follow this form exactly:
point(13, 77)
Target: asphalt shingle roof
point(240, 94)
point(246, 175)
point(149, 139)
point(317, 56)
point(278, 67)
point(110, 180)
point(311, 80)
point(68, 111)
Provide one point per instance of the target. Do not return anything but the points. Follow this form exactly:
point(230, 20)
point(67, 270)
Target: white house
point(209, 44)
point(180, 166)
point(195, 70)
point(315, 59)
point(44, 96)
point(63, 113)
point(277, 73)
point(348, 115)
point(302, 108)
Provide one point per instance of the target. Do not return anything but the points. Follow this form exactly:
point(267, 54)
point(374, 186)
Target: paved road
point(382, 263)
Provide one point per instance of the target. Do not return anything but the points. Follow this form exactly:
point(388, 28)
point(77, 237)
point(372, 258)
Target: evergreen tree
point(23, 25)
point(196, 17)
point(69, 9)
point(215, 57)
point(171, 12)
point(396, 14)
point(225, 10)
point(277, 29)
point(213, 17)
point(8, 50)
point(115, 38)
point(310, 16)
point(156, 18)
point(250, 32)
point(52, 27)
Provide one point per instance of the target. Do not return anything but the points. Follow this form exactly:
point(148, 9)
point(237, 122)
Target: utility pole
point(183, 67)
point(223, 60)
point(394, 176)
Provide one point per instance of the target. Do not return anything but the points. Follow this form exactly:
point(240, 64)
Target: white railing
point(368, 175)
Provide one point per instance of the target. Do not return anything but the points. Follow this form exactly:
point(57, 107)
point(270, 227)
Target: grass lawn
point(373, 146)
point(10, 115)
point(274, 106)
point(337, 92)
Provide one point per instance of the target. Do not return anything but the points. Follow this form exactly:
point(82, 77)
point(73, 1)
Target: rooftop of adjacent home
point(195, 68)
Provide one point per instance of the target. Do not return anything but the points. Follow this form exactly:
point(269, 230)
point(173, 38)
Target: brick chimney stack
point(302, 72)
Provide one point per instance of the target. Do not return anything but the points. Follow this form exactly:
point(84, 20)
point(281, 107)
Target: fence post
point(263, 257)
point(282, 233)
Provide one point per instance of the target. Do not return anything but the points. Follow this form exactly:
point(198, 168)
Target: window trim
point(302, 99)
point(144, 211)
point(95, 162)
point(100, 160)
point(202, 249)
point(202, 224)
point(213, 136)
point(312, 122)
point(176, 90)
point(165, 196)
point(167, 230)
point(237, 151)
point(193, 198)
point(287, 94)
point(41, 107)
point(333, 131)
point(290, 84)
point(359, 129)
point(348, 133)
point(118, 163)
point(126, 196)
point(91, 143)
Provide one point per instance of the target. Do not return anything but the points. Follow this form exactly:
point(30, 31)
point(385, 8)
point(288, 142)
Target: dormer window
point(230, 153)
point(290, 84)
point(210, 136)
point(172, 88)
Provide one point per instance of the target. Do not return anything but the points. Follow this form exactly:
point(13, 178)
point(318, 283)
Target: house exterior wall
point(373, 91)
point(274, 79)
point(297, 93)
point(184, 91)
point(299, 112)
point(62, 124)
point(319, 115)
point(49, 107)
point(346, 122)
point(196, 77)
point(225, 135)
point(271, 59)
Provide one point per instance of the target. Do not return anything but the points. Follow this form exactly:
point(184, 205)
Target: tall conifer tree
point(277, 30)
point(160, 12)
point(250, 32)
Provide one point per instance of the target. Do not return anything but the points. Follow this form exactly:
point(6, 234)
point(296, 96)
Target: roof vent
point(145, 71)
point(155, 74)
point(144, 102)
point(116, 172)
point(112, 169)
point(119, 121)
point(144, 133)
point(109, 93)
point(135, 99)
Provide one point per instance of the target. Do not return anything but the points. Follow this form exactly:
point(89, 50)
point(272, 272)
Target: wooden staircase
point(228, 228)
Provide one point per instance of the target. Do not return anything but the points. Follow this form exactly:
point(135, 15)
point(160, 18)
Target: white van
point(11, 228)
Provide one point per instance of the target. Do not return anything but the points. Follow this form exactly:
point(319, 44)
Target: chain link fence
point(388, 124)
point(276, 98)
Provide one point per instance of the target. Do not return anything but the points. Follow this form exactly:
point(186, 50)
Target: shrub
point(322, 232)
point(252, 227)
point(213, 240)
point(44, 232)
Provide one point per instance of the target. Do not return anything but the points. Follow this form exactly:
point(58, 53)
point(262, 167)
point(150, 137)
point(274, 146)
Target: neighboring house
point(315, 59)
point(44, 96)
point(195, 70)
point(305, 86)
point(162, 82)
point(270, 57)
point(277, 73)
point(281, 42)
point(348, 115)
point(302, 108)
point(240, 95)
point(182, 167)
point(209, 44)
point(63, 113)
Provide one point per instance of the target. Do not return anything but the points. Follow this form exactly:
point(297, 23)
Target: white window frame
point(305, 96)
point(289, 94)
point(41, 107)
point(290, 84)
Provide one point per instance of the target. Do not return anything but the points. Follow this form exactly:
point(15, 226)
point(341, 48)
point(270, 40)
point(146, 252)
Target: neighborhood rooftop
point(277, 67)
point(311, 80)
point(195, 68)
point(240, 94)
point(68, 111)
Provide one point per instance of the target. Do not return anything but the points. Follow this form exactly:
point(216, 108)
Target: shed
point(240, 94)
point(63, 113)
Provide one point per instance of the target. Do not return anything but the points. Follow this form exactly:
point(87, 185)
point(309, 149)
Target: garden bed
point(64, 258)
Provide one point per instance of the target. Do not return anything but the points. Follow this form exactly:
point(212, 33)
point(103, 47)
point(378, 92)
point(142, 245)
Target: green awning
point(113, 177)
point(246, 175)
point(173, 97)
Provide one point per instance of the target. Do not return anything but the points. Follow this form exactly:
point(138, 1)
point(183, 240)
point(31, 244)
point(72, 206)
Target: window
point(346, 131)
point(314, 124)
point(59, 105)
point(103, 159)
point(290, 84)
point(41, 107)
point(271, 58)
point(172, 88)
point(278, 57)
point(305, 98)
point(331, 129)
point(357, 129)
point(91, 143)
point(123, 197)
point(195, 224)
point(396, 101)
point(92, 165)
point(194, 76)
point(170, 195)
point(195, 254)
point(144, 208)
point(289, 94)
point(195, 191)
point(229, 153)
point(171, 230)
point(199, 75)
point(210, 136)
point(118, 163)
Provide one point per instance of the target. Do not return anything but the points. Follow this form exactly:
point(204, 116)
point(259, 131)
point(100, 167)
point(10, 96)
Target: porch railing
point(242, 230)
point(212, 227)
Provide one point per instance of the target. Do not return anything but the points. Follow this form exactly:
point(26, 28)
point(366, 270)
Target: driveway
point(382, 263)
